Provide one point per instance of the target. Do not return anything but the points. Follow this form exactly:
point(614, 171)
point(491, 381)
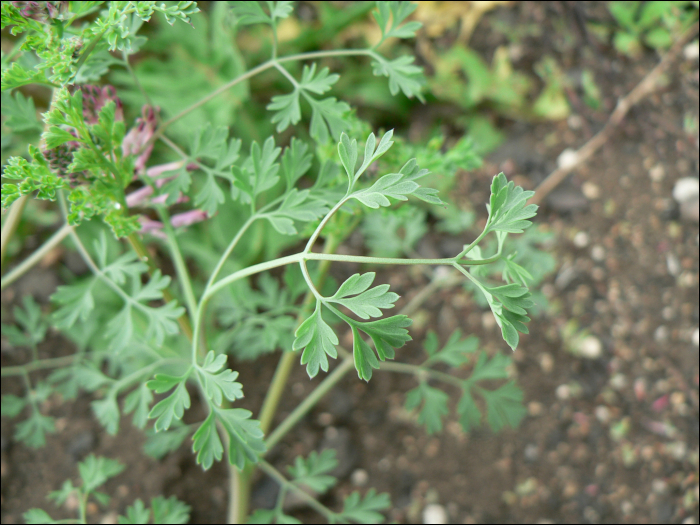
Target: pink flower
point(179, 220)
point(94, 99)
point(136, 141)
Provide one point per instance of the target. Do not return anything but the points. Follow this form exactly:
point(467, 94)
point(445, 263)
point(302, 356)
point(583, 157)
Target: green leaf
point(297, 205)
point(218, 383)
point(32, 431)
point(365, 510)
point(504, 406)
point(312, 472)
point(12, 405)
point(287, 110)
point(394, 232)
point(173, 406)
point(372, 154)
point(318, 84)
point(296, 161)
point(107, 413)
point(347, 151)
point(248, 13)
point(245, 437)
point(456, 351)
point(95, 471)
point(210, 196)
point(397, 12)
point(494, 368)
point(318, 341)
point(403, 75)
point(434, 406)
point(507, 209)
point(391, 185)
point(365, 303)
point(470, 415)
point(159, 444)
point(327, 118)
point(259, 172)
point(206, 442)
point(139, 402)
point(135, 514)
point(386, 334)
point(513, 272)
point(19, 112)
point(170, 510)
point(38, 517)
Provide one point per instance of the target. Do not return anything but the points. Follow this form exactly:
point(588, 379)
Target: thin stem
point(10, 225)
point(464, 252)
point(313, 502)
point(420, 371)
point(41, 364)
point(35, 257)
point(142, 252)
point(229, 249)
point(180, 266)
point(309, 402)
point(135, 78)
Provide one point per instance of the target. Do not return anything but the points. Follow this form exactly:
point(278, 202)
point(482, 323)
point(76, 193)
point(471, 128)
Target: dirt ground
point(608, 439)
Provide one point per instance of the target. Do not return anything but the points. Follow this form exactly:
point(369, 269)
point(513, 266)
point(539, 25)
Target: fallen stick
point(641, 90)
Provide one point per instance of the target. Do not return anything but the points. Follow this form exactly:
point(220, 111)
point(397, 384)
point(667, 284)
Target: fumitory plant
point(184, 281)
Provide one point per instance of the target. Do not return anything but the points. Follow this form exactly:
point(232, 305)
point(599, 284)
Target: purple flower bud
point(150, 226)
point(94, 99)
point(189, 217)
point(136, 141)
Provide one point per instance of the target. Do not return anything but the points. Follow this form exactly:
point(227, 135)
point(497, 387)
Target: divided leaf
point(218, 383)
point(365, 303)
point(397, 12)
point(456, 351)
point(313, 471)
point(365, 510)
point(434, 406)
point(386, 334)
point(508, 211)
point(504, 406)
point(318, 340)
point(403, 75)
point(173, 406)
point(297, 205)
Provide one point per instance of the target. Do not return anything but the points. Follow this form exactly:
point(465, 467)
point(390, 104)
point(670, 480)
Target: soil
point(609, 439)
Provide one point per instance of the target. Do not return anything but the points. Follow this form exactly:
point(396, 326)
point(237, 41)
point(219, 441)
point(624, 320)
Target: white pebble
point(359, 477)
point(563, 392)
point(686, 189)
point(618, 381)
point(567, 159)
point(598, 253)
point(657, 173)
point(435, 514)
point(590, 190)
point(691, 51)
point(581, 240)
point(602, 413)
point(590, 347)
point(696, 337)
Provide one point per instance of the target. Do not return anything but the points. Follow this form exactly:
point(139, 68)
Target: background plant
point(128, 320)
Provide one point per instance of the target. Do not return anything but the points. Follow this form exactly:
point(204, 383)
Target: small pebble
point(673, 264)
point(563, 392)
point(659, 486)
point(686, 189)
point(359, 477)
point(581, 240)
point(546, 362)
point(590, 190)
point(567, 159)
point(618, 381)
point(657, 173)
point(590, 347)
point(696, 337)
point(691, 52)
point(661, 334)
point(532, 452)
point(598, 253)
point(602, 413)
point(434, 513)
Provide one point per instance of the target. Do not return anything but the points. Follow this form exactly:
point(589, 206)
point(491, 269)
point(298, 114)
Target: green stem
point(10, 225)
point(420, 371)
point(35, 257)
point(41, 364)
point(180, 266)
point(313, 502)
point(464, 252)
point(229, 249)
point(309, 402)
